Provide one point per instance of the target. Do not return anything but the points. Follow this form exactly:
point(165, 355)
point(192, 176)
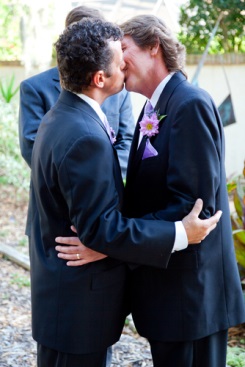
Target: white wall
point(212, 79)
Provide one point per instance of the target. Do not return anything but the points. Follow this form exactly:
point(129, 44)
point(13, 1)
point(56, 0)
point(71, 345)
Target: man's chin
point(127, 86)
point(119, 89)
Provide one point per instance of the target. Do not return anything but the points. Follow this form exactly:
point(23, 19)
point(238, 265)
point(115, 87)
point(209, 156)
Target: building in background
point(45, 21)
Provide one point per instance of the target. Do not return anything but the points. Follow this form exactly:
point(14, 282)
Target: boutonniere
point(150, 123)
point(113, 135)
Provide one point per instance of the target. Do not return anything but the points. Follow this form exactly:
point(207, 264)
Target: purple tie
point(148, 108)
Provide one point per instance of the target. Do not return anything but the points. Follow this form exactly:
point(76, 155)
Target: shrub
point(7, 89)
point(13, 170)
point(236, 190)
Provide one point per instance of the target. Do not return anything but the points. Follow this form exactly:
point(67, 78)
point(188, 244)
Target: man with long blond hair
point(177, 155)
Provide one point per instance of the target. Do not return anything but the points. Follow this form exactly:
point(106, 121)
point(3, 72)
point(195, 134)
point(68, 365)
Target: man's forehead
point(127, 39)
point(116, 47)
point(114, 44)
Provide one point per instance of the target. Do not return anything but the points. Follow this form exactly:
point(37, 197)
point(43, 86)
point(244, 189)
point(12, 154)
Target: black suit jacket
point(39, 93)
point(76, 180)
point(200, 292)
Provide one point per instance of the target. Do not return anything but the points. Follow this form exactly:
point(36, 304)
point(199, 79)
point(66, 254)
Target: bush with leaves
point(235, 357)
point(13, 170)
point(10, 42)
point(198, 18)
point(236, 189)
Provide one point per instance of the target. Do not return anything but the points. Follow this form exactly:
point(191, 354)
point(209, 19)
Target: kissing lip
point(125, 74)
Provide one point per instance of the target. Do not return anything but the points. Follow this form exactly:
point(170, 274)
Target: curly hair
point(147, 30)
point(83, 49)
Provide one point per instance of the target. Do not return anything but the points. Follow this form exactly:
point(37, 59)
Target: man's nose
point(123, 65)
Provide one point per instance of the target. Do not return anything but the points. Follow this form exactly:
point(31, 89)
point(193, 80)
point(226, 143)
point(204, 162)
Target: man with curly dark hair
point(70, 333)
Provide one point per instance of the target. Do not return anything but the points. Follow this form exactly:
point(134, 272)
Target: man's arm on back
point(196, 230)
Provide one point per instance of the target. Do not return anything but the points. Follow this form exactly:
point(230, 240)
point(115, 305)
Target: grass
point(21, 281)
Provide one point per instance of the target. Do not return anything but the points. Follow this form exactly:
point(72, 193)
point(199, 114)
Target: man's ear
point(154, 49)
point(98, 79)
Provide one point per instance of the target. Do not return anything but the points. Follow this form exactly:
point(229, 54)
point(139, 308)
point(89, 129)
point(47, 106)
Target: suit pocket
point(183, 260)
point(152, 161)
point(109, 278)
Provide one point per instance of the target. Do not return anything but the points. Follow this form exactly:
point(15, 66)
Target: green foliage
point(23, 242)
point(10, 42)
point(21, 281)
point(21, 20)
point(235, 357)
point(7, 89)
point(198, 18)
point(13, 169)
point(236, 187)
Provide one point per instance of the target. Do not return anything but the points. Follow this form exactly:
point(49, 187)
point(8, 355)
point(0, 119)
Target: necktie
point(148, 108)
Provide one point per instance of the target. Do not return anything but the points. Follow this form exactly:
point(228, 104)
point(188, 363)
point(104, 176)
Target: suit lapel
point(136, 153)
point(57, 85)
point(56, 79)
point(162, 102)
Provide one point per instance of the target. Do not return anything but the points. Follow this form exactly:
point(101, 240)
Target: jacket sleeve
point(31, 113)
point(87, 183)
point(125, 132)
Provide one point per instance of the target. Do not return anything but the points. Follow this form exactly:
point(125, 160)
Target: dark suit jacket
point(200, 292)
point(40, 92)
point(76, 180)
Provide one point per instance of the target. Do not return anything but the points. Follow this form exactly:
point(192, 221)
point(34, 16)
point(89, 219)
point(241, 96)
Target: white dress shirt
point(95, 106)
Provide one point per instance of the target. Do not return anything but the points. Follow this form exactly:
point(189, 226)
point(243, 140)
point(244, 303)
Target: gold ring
point(78, 256)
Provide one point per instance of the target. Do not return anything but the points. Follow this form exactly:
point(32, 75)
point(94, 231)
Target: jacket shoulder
point(47, 76)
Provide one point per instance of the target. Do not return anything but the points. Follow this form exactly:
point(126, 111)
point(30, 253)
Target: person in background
point(77, 313)
point(177, 155)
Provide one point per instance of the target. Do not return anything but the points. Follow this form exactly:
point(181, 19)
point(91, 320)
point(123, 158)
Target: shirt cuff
point(181, 240)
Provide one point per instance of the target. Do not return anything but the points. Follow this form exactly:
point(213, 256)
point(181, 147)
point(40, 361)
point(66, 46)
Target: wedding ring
point(78, 256)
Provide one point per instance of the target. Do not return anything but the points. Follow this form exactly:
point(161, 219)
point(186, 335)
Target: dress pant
point(206, 352)
point(47, 357)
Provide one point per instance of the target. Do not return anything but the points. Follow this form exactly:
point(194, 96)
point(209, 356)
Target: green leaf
point(239, 234)
point(238, 204)
point(240, 252)
point(7, 89)
point(231, 185)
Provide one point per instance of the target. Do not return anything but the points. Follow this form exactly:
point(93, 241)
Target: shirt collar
point(157, 92)
point(94, 104)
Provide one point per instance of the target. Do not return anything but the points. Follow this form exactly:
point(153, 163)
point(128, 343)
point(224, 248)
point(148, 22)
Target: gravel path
point(17, 348)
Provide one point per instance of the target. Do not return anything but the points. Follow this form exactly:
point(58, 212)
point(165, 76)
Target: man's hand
point(197, 229)
point(76, 252)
